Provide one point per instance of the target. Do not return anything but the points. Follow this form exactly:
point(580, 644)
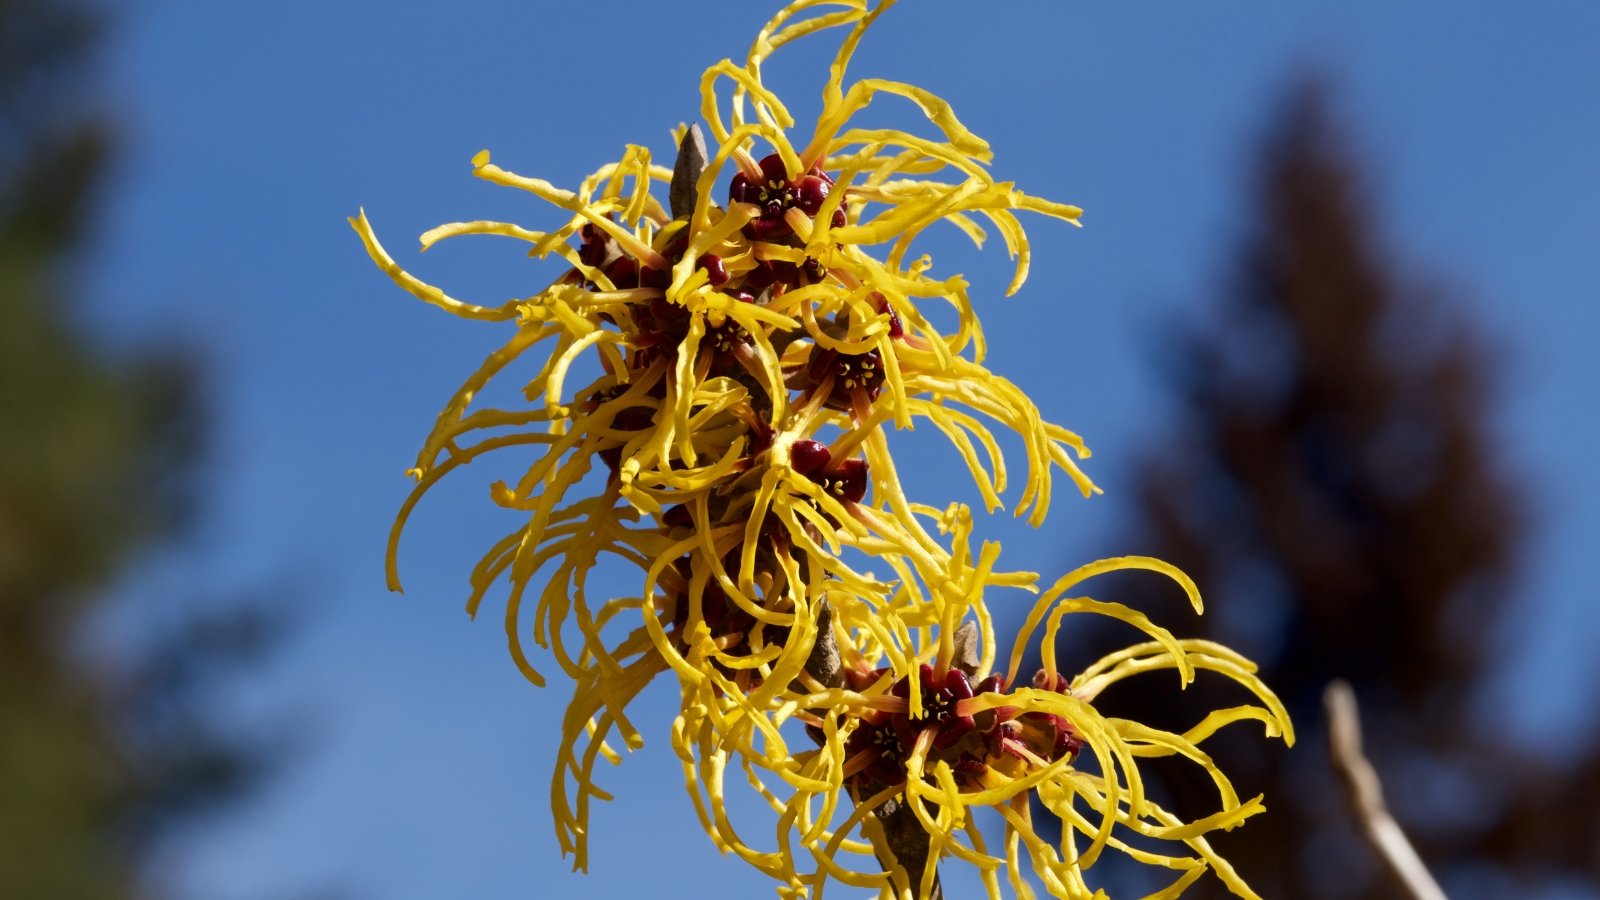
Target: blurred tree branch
point(1333, 483)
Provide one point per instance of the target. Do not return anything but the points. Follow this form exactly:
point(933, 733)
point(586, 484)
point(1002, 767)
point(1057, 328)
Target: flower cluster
point(713, 382)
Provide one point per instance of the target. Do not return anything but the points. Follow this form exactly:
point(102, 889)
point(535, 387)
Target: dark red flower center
point(775, 193)
point(969, 744)
point(845, 480)
point(850, 373)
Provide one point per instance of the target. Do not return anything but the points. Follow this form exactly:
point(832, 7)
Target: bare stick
point(1364, 793)
point(903, 836)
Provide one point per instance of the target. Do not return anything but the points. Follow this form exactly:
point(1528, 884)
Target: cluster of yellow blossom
point(749, 353)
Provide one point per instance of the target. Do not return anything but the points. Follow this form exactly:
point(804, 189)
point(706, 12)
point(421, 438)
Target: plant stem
point(904, 838)
point(1364, 792)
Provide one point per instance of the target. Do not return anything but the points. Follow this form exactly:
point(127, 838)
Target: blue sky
point(252, 130)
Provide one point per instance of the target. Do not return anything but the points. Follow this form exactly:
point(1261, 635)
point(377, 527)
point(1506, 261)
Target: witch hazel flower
point(957, 736)
point(707, 387)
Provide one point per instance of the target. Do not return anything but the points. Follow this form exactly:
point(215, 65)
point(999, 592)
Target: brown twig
point(903, 836)
point(1364, 793)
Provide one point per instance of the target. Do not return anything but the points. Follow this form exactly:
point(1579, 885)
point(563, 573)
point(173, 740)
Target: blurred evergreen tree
point(1332, 485)
point(97, 454)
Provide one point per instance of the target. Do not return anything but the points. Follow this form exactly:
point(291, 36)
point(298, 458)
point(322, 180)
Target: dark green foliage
point(97, 455)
